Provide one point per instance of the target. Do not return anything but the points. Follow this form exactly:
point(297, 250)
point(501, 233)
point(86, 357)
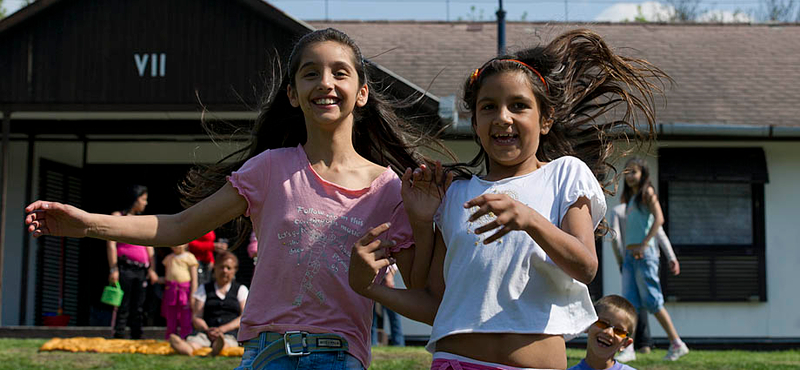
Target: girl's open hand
point(509, 214)
point(56, 219)
point(368, 257)
point(423, 191)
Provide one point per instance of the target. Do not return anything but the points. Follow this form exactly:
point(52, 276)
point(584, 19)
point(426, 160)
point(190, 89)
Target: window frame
point(714, 254)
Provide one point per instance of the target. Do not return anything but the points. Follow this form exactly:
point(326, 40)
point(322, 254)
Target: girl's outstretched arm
point(423, 190)
point(571, 247)
point(52, 218)
point(368, 258)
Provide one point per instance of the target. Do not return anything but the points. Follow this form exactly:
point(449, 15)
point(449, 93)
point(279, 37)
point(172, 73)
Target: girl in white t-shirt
point(515, 247)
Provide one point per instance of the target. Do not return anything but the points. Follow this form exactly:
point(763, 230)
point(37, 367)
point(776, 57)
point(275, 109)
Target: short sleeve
point(200, 293)
point(576, 181)
point(191, 260)
point(251, 179)
point(241, 295)
point(400, 231)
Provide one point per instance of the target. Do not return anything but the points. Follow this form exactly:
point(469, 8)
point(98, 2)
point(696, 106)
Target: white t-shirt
point(241, 295)
point(511, 285)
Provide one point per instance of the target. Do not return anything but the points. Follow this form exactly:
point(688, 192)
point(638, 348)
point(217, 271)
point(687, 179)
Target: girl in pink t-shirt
point(318, 177)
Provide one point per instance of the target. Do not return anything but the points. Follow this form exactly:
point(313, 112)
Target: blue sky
point(423, 10)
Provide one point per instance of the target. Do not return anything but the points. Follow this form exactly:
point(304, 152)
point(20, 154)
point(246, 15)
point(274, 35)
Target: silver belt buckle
point(303, 351)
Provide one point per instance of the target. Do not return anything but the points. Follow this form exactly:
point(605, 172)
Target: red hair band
point(478, 72)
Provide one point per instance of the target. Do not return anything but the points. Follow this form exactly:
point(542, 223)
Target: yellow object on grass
point(144, 346)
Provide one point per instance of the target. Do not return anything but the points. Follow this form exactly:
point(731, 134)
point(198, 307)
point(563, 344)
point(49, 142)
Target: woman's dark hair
point(644, 183)
point(380, 134)
point(585, 80)
point(131, 194)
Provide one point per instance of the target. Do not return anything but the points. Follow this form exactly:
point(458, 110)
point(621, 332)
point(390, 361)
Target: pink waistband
point(176, 294)
point(447, 364)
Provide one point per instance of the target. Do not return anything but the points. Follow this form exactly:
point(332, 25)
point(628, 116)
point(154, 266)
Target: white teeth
point(325, 101)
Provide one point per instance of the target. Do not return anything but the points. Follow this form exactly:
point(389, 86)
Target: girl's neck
point(333, 148)
point(499, 172)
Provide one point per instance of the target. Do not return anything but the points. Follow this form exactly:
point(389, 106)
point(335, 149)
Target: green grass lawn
point(24, 354)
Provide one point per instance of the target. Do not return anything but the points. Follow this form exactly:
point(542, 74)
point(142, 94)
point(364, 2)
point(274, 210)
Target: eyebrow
point(513, 98)
point(337, 64)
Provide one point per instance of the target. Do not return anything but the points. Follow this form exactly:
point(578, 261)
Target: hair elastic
point(477, 72)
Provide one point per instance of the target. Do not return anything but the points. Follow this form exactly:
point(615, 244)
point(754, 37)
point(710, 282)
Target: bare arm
point(655, 210)
point(616, 242)
point(423, 190)
point(193, 274)
point(51, 218)
point(197, 316)
point(418, 304)
point(571, 247)
point(151, 270)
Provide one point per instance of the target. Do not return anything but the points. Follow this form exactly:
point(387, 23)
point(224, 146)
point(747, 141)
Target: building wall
point(778, 317)
point(71, 153)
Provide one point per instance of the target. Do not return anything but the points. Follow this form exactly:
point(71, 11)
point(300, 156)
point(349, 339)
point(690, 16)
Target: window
point(713, 202)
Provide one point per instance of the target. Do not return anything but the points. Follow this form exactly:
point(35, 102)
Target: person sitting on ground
point(217, 310)
point(616, 319)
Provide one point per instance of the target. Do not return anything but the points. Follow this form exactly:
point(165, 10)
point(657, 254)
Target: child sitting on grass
point(616, 319)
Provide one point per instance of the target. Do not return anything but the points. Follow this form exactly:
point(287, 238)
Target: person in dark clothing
point(133, 266)
point(217, 309)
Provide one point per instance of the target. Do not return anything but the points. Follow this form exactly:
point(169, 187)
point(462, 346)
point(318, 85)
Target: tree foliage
point(780, 10)
point(684, 10)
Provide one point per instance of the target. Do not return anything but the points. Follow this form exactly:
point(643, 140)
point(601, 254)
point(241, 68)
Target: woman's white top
point(511, 285)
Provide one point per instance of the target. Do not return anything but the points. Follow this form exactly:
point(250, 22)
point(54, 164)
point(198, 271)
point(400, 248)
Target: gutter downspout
point(4, 195)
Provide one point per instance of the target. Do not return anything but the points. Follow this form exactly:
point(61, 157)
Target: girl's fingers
point(484, 209)
point(438, 174)
point(488, 227)
point(427, 174)
point(380, 249)
point(499, 234)
point(373, 234)
point(406, 175)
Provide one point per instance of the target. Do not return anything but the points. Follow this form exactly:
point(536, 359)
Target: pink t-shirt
point(136, 253)
point(306, 227)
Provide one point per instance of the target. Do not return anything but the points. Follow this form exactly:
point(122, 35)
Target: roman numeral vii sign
point(157, 63)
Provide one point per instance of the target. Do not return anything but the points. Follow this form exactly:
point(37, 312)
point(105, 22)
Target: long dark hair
point(130, 196)
point(585, 79)
point(380, 133)
point(644, 183)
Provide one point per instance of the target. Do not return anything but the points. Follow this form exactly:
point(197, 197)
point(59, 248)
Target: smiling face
point(633, 176)
point(603, 343)
point(326, 86)
point(508, 124)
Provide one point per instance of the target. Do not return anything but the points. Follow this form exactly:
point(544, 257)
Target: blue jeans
point(640, 282)
point(314, 361)
point(396, 337)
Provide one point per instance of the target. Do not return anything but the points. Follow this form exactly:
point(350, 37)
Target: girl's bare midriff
point(538, 351)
